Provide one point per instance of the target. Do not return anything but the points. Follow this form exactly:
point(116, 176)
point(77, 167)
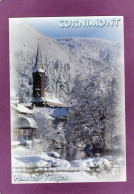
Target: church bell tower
point(38, 81)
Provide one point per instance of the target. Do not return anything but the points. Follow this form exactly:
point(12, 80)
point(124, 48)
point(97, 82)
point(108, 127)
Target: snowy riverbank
point(29, 162)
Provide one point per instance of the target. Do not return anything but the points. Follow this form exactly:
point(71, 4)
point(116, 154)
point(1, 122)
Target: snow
point(54, 154)
point(24, 122)
point(61, 111)
point(61, 163)
point(89, 162)
point(21, 109)
point(26, 104)
point(118, 160)
point(60, 64)
point(78, 163)
point(39, 70)
point(101, 163)
point(55, 111)
point(26, 161)
point(22, 142)
point(14, 101)
point(50, 98)
point(24, 157)
point(46, 111)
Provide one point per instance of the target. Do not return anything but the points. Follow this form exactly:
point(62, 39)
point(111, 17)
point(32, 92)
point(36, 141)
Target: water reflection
point(72, 154)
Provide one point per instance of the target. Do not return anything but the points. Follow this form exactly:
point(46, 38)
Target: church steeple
point(38, 61)
point(38, 81)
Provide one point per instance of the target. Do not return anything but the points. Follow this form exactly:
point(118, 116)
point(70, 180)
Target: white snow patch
point(24, 157)
point(61, 163)
point(79, 163)
point(101, 163)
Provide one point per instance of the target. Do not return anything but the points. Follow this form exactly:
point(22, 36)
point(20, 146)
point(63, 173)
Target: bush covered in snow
point(61, 163)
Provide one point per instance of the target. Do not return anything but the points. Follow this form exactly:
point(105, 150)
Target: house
point(23, 126)
point(20, 109)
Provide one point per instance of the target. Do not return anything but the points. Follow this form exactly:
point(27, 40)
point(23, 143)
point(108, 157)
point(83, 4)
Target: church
point(40, 97)
point(24, 126)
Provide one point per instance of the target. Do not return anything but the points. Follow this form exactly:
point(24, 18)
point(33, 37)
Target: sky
point(50, 27)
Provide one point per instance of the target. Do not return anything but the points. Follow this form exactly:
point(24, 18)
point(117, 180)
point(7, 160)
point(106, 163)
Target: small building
point(19, 109)
point(24, 129)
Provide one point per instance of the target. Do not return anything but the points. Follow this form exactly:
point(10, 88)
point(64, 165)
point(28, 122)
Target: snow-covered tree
point(93, 119)
point(45, 131)
point(49, 135)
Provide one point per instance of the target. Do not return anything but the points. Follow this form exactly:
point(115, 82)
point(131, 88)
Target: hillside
point(110, 53)
point(63, 59)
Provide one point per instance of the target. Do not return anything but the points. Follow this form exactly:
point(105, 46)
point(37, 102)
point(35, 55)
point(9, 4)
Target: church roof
point(38, 62)
point(51, 99)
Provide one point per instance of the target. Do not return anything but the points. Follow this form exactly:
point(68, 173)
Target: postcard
point(67, 99)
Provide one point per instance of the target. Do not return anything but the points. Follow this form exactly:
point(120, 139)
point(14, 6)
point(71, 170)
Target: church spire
point(38, 81)
point(38, 61)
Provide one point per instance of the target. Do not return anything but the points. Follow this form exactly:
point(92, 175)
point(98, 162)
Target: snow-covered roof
point(24, 122)
point(51, 99)
point(14, 101)
point(39, 70)
point(21, 109)
point(26, 104)
point(46, 111)
point(60, 112)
